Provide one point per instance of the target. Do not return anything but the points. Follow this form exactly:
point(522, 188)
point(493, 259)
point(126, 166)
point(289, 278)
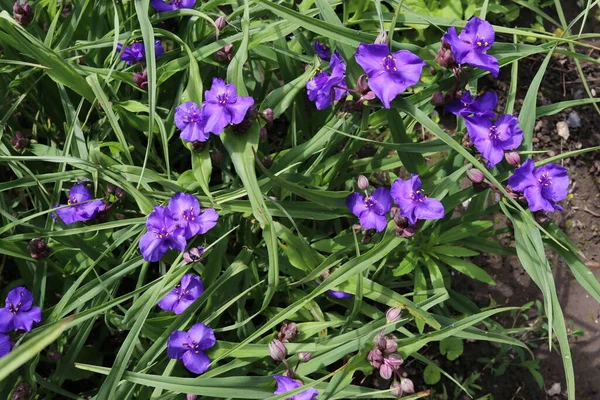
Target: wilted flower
point(375, 357)
point(513, 158)
point(393, 314)
point(543, 187)
point(471, 46)
point(185, 209)
point(136, 52)
point(190, 346)
point(389, 74)
point(171, 5)
point(304, 356)
point(193, 255)
point(38, 248)
point(287, 332)
point(188, 118)
point(183, 295)
point(322, 50)
point(285, 384)
point(141, 79)
point(18, 312)
point(480, 106)
point(5, 344)
point(223, 106)
point(22, 12)
point(20, 141)
point(371, 210)
point(323, 89)
point(492, 138)
point(82, 207)
point(277, 350)
point(164, 233)
point(412, 201)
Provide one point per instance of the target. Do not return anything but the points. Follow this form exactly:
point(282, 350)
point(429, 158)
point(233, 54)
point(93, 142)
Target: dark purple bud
point(216, 155)
point(393, 314)
point(432, 70)
point(54, 355)
point(407, 385)
point(287, 332)
point(38, 249)
point(267, 115)
point(396, 389)
point(263, 135)
point(385, 371)
point(394, 361)
point(366, 239)
point(445, 58)
point(191, 396)
point(438, 99)
point(382, 38)
point(242, 127)
point(400, 221)
point(277, 350)
point(225, 54)
point(19, 142)
point(375, 358)
point(22, 13)
point(120, 193)
point(267, 162)
point(193, 255)
point(21, 392)
point(141, 79)
point(513, 158)
point(363, 182)
point(409, 231)
point(362, 84)
point(66, 10)
point(110, 188)
point(390, 344)
point(304, 356)
point(475, 175)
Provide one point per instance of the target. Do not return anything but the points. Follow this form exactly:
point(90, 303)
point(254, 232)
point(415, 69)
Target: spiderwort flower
point(5, 344)
point(412, 201)
point(82, 209)
point(480, 106)
point(136, 52)
point(371, 210)
point(471, 46)
point(285, 384)
point(18, 312)
point(190, 346)
point(323, 89)
point(492, 138)
point(389, 74)
point(223, 106)
point(188, 118)
point(183, 295)
point(543, 187)
point(185, 209)
point(164, 233)
point(171, 5)
point(322, 50)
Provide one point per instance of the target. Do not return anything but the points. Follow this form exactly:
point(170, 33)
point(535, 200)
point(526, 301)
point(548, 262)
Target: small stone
point(574, 120)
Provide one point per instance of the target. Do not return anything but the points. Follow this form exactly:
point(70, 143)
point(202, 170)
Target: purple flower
point(164, 233)
point(82, 209)
point(183, 295)
point(471, 46)
point(185, 209)
point(492, 138)
point(339, 295)
point(480, 106)
point(18, 312)
point(285, 384)
point(323, 89)
point(190, 346)
point(412, 201)
point(5, 344)
point(322, 50)
point(188, 118)
point(542, 187)
point(371, 210)
point(389, 74)
point(223, 106)
point(170, 5)
point(135, 52)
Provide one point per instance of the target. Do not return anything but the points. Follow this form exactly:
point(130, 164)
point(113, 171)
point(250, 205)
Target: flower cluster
point(384, 356)
point(81, 206)
point(135, 52)
point(18, 314)
point(170, 227)
point(190, 347)
point(408, 195)
point(222, 107)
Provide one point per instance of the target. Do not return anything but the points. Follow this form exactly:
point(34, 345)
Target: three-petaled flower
point(389, 74)
point(479, 106)
point(82, 207)
point(223, 106)
point(471, 45)
point(183, 295)
point(171, 5)
point(164, 233)
point(185, 209)
point(190, 347)
point(136, 52)
point(323, 89)
point(543, 187)
point(492, 138)
point(322, 50)
point(188, 118)
point(18, 312)
point(285, 384)
point(413, 203)
point(371, 210)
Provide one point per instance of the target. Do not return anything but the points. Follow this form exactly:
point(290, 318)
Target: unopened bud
point(38, 249)
point(375, 358)
point(190, 396)
point(141, 79)
point(22, 13)
point(225, 54)
point(363, 182)
point(513, 158)
point(54, 355)
point(220, 23)
point(193, 255)
point(438, 99)
point(394, 361)
point(268, 115)
point(445, 58)
point(263, 134)
point(367, 97)
point(409, 231)
point(385, 371)
point(120, 193)
point(21, 392)
point(379, 341)
point(216, 156)
point(362, 84)
point(391, 345)
point(382, 38)
point(304, 356)
point(398, 219)
point(366, 239)
point(407, 385)
point(393, 314)
point(110, 188)
point(287, 332)
point(396, 389)
point(475, 175)
point(20, 141)
point(277, 350)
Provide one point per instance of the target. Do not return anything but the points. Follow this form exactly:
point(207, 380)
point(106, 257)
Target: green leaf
point(451, 347)
point(431, 375)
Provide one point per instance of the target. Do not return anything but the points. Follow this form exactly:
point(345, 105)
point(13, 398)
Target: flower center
point(194, 116)
point(418, 195)
point(481, 42)
point(71, 200)
point(223, 97)
point(161, 233)
point(494, 134)
point(14, 309)
point(195, 347)
point(180, 292)
point(389, 63)
point(370, 202)
point(545, 179)
point(188, 214)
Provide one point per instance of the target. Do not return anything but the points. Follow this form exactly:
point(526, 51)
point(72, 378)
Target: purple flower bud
point(362, 84)
point(396, 389)
point(475, 175)
point(409, 231)
point(407, 385)
point(267, 115)
point(277, 350)
point(379, 341)
point(20, 142)
point(21, 392)
point(438, 99)
point(370, 95)
point(22, 13)
point(382, 38)
point(390, 344)
point(445, 58)
point(193, 255)
point(66, 10)
point(54, 355)
point(141, 79)
point(393, 360)
point(216, 156)
point(393, 314)
point(225, 54)
point(513, 158)
point(220, 23)
point(38, 249)
point(363, 182)
point(287, 332)
point(263, 135)
point(385, 371)
point(110, 188)
point(375, 358)
point(191, 396)
point(304, 356)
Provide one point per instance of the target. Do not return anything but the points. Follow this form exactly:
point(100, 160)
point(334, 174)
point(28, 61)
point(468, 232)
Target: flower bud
point(287, 332)
point(390, 344)
point(21, 392)
point(407, 385)
point(268, 115)
point(366, 239)
point(38, 249)
point(379, 341)
point(409, 231)
point(110, 188)
point(267, 162)
point(362, 84)
point(513, 158)
point(382, 38)
point(220, 23)
point(475, 175)
point(375, 358)
point(191, 396)
point(385, 371)
point(277, 350)
point(141, 79)
point(394, 361)
point(54, 355)
point(304, 356)
point(22, 13)
point(363, 182)
point(438, 99)
point(263, 134)
point(193, 255)
point(20, 142)
point(396, 389)
point(367, 97)
point(225, 54)
point(445, 58)
point(216, 156)
point(393, 314)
